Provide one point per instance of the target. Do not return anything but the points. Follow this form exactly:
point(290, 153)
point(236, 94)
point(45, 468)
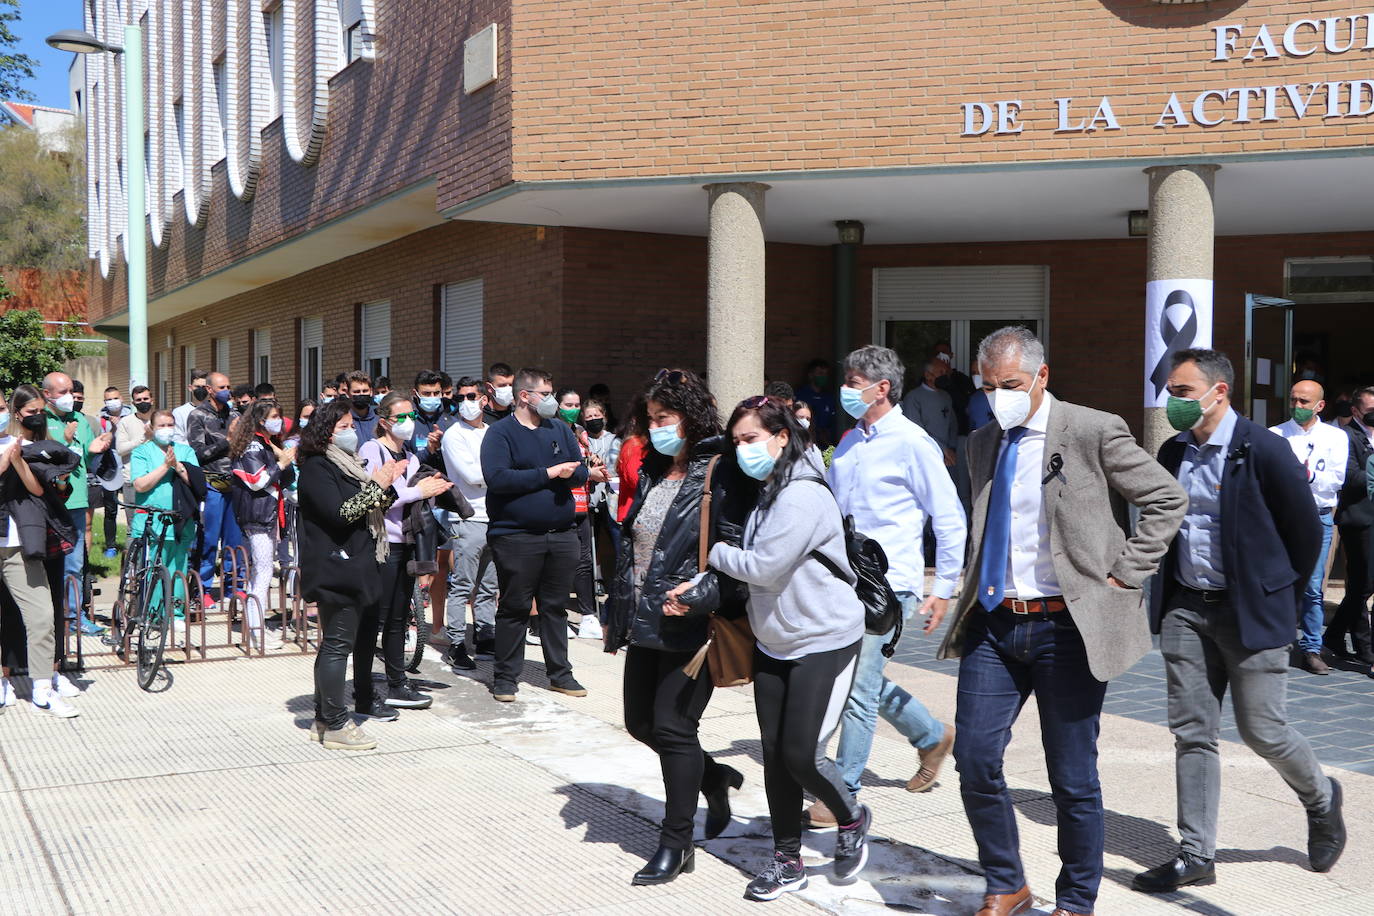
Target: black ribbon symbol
point(1055, 468)
point(1175, 339)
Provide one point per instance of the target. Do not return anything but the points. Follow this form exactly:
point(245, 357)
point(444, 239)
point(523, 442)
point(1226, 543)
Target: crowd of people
point(525, 503)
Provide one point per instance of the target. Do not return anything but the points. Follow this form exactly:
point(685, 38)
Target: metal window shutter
point(350, 12)
point(462, 329)
point(312, 333)
point(222, 354)
point(1003, 291)
point(376, 331)
point(262, 343)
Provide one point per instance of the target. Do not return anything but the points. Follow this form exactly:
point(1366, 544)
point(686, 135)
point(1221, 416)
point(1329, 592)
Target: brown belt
point(1050, 604)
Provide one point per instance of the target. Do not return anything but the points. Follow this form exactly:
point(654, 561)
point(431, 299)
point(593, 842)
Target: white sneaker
point(64, 687)
point(7, 695)
point(54, 705)
point(590, 628)
point(531, 639)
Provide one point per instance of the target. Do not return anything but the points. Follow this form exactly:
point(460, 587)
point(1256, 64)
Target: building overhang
point(396, 216)
point(1257, 194)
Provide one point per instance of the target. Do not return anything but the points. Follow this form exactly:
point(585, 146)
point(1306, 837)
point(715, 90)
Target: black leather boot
point(718, 800)
point(666, 865)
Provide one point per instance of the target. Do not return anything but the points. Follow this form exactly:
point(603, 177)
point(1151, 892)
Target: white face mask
point(64, 404)
point(114, 405)
point(403, 431)
point(1011, 408)
point(273, 425)
point(469, 410)
point(504, 396)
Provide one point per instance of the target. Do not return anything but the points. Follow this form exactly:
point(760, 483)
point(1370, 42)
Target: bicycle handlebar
point(151, 510)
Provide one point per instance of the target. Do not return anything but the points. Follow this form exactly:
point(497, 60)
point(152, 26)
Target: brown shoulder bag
point(729, 648)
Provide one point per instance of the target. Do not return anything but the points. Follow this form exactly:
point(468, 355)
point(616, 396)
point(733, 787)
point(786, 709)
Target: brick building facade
point(541, 201)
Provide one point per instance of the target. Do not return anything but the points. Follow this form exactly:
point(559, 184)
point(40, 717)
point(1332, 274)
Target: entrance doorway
point(915, 339)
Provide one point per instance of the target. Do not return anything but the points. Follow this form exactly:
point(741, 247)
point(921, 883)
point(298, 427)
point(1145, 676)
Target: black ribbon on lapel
point(1055, 469)
point(1239, 453)
point(1175, 339)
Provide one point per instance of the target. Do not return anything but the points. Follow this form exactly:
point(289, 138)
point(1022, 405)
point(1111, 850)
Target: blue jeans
point(873, 694)
point(217, 526)
point(1006, 658)
point(1312, 606)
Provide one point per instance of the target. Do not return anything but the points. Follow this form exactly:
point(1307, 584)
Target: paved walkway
point(208, 798)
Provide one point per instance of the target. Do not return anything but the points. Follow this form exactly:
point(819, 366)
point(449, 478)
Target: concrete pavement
point(208, 798)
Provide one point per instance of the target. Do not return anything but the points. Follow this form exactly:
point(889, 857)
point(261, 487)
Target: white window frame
point(375, 345)
point(262, 356)
point(220, 71)
point(462, 313)
point(221, 355)
point(273, 24)
point(352, 28)
point(312, 338)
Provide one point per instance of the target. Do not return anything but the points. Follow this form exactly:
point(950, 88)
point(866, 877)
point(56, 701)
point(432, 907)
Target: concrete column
point(735, 293)
point(1182, 230)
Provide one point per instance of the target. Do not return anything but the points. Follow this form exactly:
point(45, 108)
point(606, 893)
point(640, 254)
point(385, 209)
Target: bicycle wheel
point(71, 600)
point(154, 623)
point(417, 628)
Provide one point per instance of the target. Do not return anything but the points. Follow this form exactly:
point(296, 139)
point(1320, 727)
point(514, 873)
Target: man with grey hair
point(1052, 606)
point(889, 474)
point(933, 410)
point(1223, 606)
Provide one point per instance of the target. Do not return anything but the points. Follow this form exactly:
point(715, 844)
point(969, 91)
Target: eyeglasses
point(671, 376)
point(754, 403)
point(402, 417)
point(470, 396)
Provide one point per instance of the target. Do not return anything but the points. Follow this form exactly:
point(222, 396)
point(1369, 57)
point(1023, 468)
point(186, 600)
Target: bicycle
point(417, 627)
point(147, 602)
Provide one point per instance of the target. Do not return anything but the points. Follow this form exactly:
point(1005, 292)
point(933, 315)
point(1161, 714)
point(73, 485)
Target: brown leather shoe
point(1313, 664)
point(818, 817)
point(1060, 911)
point(1007, 904)
point(931, 760)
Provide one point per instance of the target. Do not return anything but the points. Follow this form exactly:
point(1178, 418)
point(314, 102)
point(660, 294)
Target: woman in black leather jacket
point(659, 552)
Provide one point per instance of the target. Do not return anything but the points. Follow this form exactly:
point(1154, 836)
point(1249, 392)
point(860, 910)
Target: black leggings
point(338, 636)
point(798, 703)
point(388, 617)
point(663, 709)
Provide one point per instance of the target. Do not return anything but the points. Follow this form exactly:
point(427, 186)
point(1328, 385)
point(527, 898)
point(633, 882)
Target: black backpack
point(882, 607)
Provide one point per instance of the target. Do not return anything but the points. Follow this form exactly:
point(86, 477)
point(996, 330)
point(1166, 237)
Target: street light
point(135, 241)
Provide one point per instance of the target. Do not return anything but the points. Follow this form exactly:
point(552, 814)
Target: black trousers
point(798, 704)
point(338, 635)
point(1352, 616)
point(584, 580)
point(387, 618)
point(533, 568)
point(663, 710)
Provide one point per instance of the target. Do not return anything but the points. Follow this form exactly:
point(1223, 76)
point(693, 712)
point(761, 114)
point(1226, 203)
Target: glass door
point(1268, 357)
point(914, 341)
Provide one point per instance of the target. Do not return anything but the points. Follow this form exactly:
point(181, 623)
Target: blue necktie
point(997, 533)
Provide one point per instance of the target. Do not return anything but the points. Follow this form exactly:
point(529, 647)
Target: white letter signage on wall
point(1178, 315)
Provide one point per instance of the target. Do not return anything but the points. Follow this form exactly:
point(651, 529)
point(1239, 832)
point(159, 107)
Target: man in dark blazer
point(1354, 518)
point(1052, 606)
point(1223, 605)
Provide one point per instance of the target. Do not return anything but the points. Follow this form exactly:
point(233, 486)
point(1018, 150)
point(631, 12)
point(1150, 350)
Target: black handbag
point(868, 563)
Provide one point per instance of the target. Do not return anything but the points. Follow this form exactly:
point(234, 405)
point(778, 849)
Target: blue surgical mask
point(755, 459)
point(223, 395)
point(304, 422)
point(4, 420)
point(164, 436)
point(273, 425)
point(347, 439)
point(326, 399)
point(666, 439)
point(431, 405)
point(852, 400)
point(377, 398)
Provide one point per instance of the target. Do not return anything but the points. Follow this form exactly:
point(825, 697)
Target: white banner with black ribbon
point(1178, 315)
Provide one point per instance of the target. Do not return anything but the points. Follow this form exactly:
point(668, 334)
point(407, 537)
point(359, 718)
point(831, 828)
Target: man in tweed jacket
point(1051, 605)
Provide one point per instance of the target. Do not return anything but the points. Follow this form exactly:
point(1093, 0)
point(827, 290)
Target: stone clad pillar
point(735, 293)
point(1182, 232)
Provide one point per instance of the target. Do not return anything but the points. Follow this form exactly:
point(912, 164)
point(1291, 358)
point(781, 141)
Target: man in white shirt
point(473, 578)
point(1323, 452)
point(197, 389)
point(890, 475)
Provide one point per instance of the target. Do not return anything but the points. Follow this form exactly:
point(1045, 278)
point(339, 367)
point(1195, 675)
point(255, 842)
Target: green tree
point(15, 68)
point(26, 355)
point(42, 201)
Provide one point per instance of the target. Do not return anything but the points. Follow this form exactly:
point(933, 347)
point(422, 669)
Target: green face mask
point(570, 413)
point(1303, 415)
point(1186, 413)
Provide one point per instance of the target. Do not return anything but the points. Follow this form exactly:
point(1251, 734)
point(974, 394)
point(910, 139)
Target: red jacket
point(627, 469)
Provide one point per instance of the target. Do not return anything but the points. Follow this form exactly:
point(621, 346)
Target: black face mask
point(943, 382)
point(1368, 419)
point(1343, 409)
point(34, 423)
point(595, 427)
point(199, 393)
point(361, 402)
point(143, 406)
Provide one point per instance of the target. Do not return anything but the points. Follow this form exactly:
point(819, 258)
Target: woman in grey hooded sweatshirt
point(807, 623)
